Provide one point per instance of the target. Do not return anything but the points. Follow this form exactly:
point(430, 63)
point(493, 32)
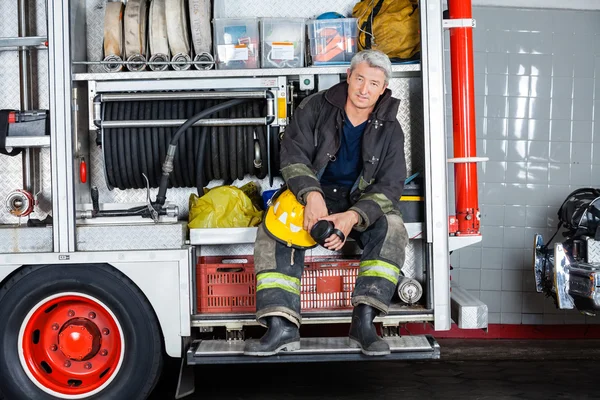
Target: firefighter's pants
point(279, 269)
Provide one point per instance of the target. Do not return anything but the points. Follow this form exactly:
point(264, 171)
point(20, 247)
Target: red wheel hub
point(72, 345)
point(79, 339)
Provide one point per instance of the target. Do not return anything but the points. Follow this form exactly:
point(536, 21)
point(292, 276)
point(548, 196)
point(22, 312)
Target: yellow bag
point(391, 26)
point(223, 207)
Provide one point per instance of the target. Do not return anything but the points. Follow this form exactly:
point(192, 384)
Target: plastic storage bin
point(236, 43)
point(227, 284)
point(282, 42)
point(332, 41)
point(328, 285)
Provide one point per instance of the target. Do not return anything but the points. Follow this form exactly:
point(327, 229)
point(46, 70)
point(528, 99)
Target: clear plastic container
point(282, 42)
point(332, 41)
point(236, 43)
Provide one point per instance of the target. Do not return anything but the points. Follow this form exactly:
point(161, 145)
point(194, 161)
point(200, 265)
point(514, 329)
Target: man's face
point(365, 85)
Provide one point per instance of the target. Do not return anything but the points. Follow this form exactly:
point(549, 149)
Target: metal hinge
point(459, 23)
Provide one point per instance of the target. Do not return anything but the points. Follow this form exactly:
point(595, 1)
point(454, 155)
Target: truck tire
point(77, 332)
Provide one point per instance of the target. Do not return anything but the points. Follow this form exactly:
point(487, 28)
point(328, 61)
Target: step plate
point(313, 350)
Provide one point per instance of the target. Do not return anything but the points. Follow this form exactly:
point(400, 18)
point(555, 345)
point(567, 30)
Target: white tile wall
point(537, 86)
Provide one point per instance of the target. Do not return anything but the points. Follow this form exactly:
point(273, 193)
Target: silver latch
point(459, 23)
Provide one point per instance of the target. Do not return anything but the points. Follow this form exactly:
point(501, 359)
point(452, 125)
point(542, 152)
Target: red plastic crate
point(328, 284)
point(227, 284)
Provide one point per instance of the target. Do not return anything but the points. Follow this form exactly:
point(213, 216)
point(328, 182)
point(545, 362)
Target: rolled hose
point(130, 153)
point(167, 168)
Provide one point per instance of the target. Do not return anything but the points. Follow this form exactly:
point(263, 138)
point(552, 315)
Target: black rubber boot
point(282, 334)
point(363, 333)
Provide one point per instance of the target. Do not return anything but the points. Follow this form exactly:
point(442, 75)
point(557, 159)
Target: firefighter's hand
point(315, 209)
point(344, 222)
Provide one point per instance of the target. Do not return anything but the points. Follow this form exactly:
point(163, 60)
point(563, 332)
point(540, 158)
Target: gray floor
point(468, 370)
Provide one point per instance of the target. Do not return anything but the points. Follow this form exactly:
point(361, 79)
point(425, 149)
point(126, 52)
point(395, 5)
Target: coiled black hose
point(203, 153)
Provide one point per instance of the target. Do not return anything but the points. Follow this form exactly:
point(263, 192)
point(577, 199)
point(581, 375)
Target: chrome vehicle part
point(593, 251)
point(561, 277)
point(19, 203)
point(204, 61)
point(539, 261)
point(409, 290)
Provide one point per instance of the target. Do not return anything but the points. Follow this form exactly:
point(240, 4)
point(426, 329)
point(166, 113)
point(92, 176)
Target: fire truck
point(115, 112)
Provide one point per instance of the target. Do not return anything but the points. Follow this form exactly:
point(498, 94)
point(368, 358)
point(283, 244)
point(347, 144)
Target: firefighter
point(342, 160)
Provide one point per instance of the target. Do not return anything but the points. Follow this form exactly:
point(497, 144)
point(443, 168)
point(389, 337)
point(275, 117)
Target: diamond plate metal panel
point(414, 262)
point(281, 8)
point(311, 345)
point(9, 84)
point(410, 116)
point(11, 167)
point(41, 92)
point(131, 237)
point(21, 239)
point(9, 60)
point(227, 250)
point(593, 251)
point(11, 179)
point(95, 32)
point(468, 311)
point(10, 22)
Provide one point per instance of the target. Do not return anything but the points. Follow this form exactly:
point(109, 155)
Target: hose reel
point(136, 130)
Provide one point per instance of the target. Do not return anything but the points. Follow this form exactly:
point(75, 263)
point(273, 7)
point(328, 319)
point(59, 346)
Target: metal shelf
point(212, 236)
point(399, 71)
point(27, 141)
point(29, 41)
point(458, 242)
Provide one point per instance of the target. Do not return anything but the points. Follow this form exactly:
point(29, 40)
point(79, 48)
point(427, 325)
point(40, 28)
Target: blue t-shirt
point(348, 164)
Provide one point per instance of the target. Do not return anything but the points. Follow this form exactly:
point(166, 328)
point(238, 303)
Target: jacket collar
point(386, 108)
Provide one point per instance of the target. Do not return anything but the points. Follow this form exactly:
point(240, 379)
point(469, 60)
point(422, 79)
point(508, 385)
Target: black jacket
point(313, 138)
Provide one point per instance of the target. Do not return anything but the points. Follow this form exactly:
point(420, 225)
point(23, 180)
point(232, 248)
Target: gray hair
point(375, 59)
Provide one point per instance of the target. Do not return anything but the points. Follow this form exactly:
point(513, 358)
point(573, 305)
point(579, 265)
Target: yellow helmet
point(285, 221)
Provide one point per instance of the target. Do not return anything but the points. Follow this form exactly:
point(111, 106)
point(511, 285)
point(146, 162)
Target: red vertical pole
point(463, 119)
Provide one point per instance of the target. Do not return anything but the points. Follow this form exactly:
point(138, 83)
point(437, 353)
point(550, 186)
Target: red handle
point(83, 171)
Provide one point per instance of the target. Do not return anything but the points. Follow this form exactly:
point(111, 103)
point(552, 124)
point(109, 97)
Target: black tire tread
point(157, 338)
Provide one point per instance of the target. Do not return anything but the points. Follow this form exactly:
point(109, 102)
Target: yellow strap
point(412, 198)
